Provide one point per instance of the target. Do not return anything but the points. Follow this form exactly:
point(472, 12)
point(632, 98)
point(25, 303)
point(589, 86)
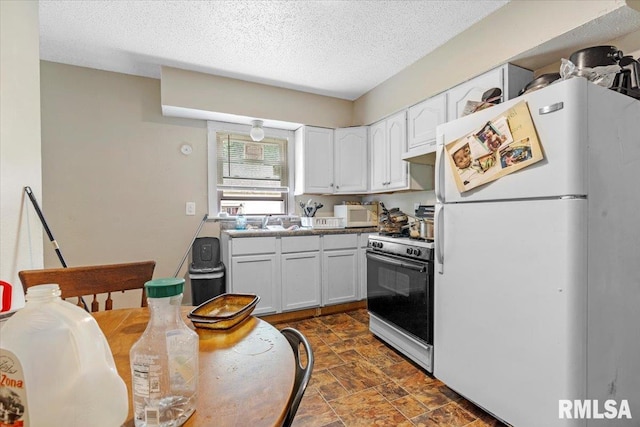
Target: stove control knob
point(416, 252)
point(409, 251)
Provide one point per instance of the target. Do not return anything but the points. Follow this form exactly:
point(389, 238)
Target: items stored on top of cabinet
point(426, 116)
point(539, 82)
point(606, 66)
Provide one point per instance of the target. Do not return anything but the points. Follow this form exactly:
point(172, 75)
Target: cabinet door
point(397, 142)
point(472, 90)
point(350, 164)
point(339, 276)
point(423, 120)
point(318, 160)
point(257, 274)
point(363, 240)
point(300, 280)
point(378, 146)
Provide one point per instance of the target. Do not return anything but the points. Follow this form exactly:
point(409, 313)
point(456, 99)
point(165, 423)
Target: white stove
point(401, 246)
point(400, 295)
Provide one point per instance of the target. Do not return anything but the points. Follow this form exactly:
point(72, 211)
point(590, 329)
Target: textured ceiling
point(335, 48)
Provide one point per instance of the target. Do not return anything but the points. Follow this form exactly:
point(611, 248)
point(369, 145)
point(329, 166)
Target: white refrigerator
point(537, 276)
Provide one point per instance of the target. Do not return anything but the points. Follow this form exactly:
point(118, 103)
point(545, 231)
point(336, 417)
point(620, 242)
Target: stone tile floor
point(359, 381)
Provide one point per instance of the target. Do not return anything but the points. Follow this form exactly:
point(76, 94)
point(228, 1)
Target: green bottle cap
point(165, 287)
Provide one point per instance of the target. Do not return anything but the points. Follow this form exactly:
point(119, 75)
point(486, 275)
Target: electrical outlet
point(191, 208)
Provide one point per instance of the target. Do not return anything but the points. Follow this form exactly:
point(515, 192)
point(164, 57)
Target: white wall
point(21, 241)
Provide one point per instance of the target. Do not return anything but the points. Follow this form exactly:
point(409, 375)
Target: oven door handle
point(421, 268)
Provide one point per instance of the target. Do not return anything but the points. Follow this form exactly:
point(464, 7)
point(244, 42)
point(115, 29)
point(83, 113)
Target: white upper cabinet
point(397, 145)
point(424, 118)
point(378, 145)
point(350, 160)
point(388, 143)
point(508, 78)
point(314, 160)
point(331, 162)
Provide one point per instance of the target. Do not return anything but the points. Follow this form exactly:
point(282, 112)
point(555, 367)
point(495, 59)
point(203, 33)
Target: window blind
point(246, 165)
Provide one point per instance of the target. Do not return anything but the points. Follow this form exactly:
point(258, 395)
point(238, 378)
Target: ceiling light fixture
point(257, 133)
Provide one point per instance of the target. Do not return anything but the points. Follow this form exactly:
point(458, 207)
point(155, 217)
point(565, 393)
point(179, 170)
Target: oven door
point(400, 291)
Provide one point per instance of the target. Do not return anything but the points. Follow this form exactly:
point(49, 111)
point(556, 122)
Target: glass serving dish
point(224, 311)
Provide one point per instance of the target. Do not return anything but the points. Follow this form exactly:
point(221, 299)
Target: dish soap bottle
point(241, 221)
point(56, 366)
point(164, 361)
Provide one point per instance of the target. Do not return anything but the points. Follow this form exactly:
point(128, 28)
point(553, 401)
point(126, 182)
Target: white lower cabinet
point(363, 240)
point(253, 269)
point(257, 274)
point(300, 280)
point(339, 276)
point(340, 270)
point(297, 272)
point(300, 272)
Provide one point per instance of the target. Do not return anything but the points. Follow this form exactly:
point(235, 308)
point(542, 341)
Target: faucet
point(265, 220)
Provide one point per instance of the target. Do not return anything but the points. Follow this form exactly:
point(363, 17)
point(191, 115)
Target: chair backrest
point(93, 280)
point(303, 373)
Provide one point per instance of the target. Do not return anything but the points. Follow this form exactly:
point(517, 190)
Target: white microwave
point(357, 215)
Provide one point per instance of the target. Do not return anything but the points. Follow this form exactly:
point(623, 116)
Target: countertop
point(302, 231)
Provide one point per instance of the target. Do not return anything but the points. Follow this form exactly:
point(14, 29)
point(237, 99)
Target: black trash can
point(206, 271)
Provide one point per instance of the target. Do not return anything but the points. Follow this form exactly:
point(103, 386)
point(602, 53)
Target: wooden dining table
point(246, 374)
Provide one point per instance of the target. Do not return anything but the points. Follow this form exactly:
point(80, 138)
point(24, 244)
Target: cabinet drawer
point(300, 244)
point(253, 245)
point(340, 241)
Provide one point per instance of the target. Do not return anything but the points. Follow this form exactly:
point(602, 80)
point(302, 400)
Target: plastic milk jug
point(56, 367)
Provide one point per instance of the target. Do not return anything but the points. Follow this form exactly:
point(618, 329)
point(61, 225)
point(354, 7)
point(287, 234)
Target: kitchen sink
point(275, 227)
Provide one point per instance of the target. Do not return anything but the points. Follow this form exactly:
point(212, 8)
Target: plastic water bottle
point(164, 361)
point(56, 367)
point(241, 221)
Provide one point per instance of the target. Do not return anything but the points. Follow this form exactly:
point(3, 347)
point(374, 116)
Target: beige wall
point(198, 91)
point(115, 181)
point(20, 162)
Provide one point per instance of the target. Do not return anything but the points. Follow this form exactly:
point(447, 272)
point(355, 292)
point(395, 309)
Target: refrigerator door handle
point(439, 238)
point(439, 170)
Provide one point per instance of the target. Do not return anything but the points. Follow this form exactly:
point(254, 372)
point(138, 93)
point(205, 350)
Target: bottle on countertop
point(56, 366)
point(164, 361)
point(241, 221)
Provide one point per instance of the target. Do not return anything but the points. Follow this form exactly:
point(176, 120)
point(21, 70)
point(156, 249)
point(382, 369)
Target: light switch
point(191, 208)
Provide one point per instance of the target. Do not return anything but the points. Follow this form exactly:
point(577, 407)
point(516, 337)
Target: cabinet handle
point(337, 187)
point(331, 185)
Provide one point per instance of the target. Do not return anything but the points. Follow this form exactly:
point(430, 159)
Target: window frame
point(213, 127)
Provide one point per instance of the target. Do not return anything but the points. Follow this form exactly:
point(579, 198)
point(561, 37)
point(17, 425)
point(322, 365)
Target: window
point(248, 173)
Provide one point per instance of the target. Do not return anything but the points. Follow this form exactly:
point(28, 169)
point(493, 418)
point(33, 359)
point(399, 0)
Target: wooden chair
point(93, 280)
point(303, 373)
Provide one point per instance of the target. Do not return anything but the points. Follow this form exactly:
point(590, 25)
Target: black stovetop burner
point(403, 233)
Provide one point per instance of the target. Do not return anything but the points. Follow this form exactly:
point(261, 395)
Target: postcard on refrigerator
point(501, 146)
